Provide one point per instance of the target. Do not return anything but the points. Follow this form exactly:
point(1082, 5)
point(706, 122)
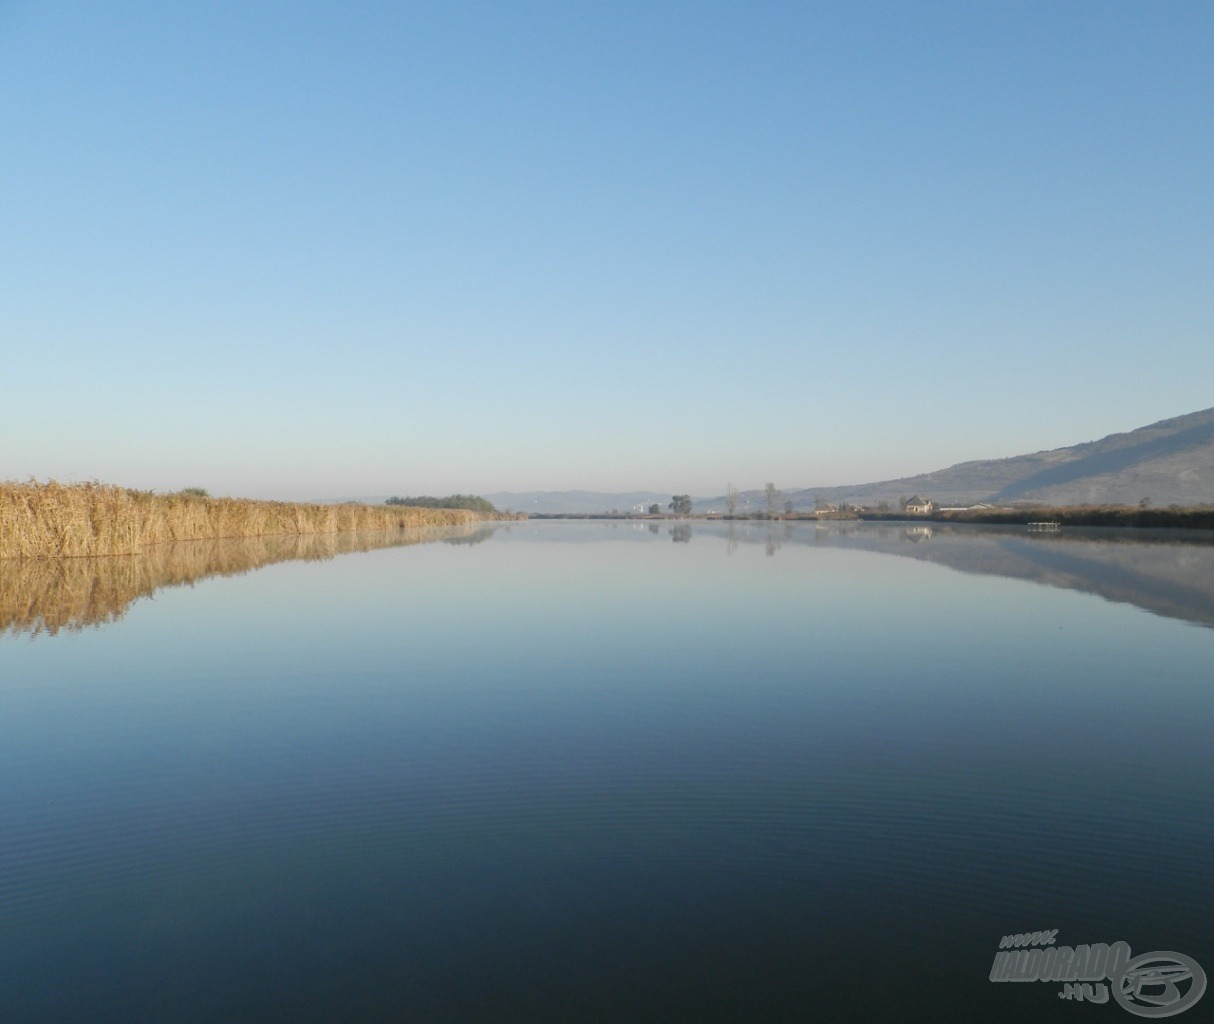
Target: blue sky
point(321, 250)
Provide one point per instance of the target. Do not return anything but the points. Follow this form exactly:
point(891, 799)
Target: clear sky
point(300, 249)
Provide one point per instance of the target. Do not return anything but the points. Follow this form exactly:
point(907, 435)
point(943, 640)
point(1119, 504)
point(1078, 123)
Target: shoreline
point(1200, 517)
point(53, 520)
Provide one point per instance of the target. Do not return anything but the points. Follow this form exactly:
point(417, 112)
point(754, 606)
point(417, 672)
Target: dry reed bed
point(46, 595)
point(88, 520)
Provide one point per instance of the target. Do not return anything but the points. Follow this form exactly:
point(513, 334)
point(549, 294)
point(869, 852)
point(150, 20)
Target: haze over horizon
point(297, 251)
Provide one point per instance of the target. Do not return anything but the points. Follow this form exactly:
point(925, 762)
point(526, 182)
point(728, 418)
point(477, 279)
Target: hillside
point(1169, 462)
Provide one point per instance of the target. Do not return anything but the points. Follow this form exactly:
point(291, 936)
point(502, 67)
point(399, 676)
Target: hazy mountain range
point(1169, 462)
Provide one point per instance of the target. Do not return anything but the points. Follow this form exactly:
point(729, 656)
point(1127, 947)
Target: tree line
point(471, 502)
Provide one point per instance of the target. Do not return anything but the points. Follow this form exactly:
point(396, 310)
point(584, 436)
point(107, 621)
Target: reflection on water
point(1166, 572)
point(46, 595)
point(592, 772)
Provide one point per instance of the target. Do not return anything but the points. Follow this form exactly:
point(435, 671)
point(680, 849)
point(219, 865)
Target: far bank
point(1199, 517)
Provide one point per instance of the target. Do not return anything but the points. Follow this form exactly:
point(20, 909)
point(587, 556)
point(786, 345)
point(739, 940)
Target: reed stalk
point(49, 520)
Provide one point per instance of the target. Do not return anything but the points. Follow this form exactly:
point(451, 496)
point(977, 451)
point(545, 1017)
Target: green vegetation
point(471, 502)
point(681, 505)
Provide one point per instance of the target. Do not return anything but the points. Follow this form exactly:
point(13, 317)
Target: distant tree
point(788, 508)
point(681, 505)
point(1145, 503)
point(471, 502)
point(195, 492)
point(655, 509)
point(883, 506)
point(772, 494)
point(731, 499)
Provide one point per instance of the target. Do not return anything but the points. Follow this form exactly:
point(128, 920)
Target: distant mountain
point(576, 502)
point(1169, 462)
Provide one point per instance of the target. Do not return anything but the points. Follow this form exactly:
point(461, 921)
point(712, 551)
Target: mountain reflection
point(1168, 573)
point(46, 595)
point(1165, 572)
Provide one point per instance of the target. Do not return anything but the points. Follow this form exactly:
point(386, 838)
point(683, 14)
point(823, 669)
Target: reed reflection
point(47, 595)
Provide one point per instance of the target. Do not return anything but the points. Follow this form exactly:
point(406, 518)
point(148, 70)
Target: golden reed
point(46, 595)
point(87, 520)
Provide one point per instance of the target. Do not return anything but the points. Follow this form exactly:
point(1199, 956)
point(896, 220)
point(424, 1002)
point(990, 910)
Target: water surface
point(592, 771)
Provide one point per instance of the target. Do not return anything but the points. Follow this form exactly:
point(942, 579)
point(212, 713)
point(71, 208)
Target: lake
point(602, 771)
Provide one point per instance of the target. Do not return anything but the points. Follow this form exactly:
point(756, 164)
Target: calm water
point(594, 772)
